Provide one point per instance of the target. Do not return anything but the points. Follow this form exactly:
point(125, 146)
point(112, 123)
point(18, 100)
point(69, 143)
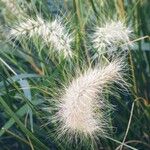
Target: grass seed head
point(52, 33)
point(83, 110)
point(111, 36)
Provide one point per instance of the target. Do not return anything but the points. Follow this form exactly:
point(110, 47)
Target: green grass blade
point(21, 125)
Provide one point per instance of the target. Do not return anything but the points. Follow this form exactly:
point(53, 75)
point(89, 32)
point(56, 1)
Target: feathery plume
point(83, 110)
point(111, 36)
point(53, 33)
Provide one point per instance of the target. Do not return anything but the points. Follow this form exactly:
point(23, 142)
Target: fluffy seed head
point(111, 36)
point(60, 38)
point(83, 110)
point(53, 33)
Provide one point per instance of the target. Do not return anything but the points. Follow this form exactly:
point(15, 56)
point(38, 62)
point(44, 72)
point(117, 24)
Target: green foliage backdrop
point(30, 75)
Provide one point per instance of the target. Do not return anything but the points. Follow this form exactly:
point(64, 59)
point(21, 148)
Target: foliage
point(33, 74)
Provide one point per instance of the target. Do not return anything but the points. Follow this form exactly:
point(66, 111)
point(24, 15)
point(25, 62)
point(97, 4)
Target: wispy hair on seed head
point(111, 36)
point(82, 110)
point(52, 33)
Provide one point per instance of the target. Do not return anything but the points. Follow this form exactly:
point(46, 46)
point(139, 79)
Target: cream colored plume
point(53, 33)
point(83, 110)
point(111, 36)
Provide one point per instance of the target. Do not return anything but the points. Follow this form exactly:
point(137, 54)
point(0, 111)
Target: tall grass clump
point(74, 76)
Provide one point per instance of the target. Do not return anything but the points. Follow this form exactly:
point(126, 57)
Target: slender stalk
point(120, 143)
point(122, 16)
point(138, 39)
point(128, 126)
point(81, 30)
point(133, 74)
point(129, 122)
point(16, 136)
point(39, 71)
point(94, 8)
point(31, 59)
point(8, 66)
point(121, 10)
point(135, 141)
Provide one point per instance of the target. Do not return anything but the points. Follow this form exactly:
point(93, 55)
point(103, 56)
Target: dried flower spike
point(111, 36)
point(53, 33)
point(83, 110)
